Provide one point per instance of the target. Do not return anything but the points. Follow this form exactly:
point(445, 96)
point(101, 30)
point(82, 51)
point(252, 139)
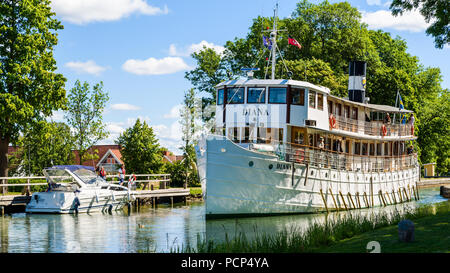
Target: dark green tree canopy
point(45, 144)
point(29, 88)
point(437, 11)
point(140, 149)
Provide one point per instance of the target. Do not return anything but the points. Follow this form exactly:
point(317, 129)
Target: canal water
point(149, 230)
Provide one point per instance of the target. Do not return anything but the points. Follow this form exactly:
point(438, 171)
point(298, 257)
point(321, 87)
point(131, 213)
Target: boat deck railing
point(372, 128)
point(317, 157)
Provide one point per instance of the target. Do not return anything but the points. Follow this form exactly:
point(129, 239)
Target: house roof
point(115, 153)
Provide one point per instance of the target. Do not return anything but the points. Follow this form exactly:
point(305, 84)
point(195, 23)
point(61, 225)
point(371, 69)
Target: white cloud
point(57, 116)
point(114, 128)
point(410, 21)
point(187, 51)
point(124, 107)
point(373, 2)
point(89, 67)
point(152, 66)
point(86, 11)
point(174, 112)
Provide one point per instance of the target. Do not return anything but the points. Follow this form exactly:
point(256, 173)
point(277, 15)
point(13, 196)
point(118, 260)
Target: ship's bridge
point(253, 109)
point(249, 110)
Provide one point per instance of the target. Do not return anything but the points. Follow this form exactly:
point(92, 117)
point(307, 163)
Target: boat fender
point(76, 204)
point(332, 121)
point(299, 156)
point(383, 130)
point(36, 197)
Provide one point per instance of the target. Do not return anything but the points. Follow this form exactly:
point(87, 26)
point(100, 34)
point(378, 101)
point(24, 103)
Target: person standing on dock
point(102, 173)
point(121, 174)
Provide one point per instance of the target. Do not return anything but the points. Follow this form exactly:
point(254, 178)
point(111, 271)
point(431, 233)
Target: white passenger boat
point(288, 146)
point(76, 188)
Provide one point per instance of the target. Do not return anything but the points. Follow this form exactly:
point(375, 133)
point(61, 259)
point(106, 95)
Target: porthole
point(250, 163)
point(271, 166)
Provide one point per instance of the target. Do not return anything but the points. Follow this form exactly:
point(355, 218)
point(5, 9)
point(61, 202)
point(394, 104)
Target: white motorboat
point(77, 189)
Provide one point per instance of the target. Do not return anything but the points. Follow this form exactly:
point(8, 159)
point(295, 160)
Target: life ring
point(332, 121)
point(299, 156)
point(383, 130)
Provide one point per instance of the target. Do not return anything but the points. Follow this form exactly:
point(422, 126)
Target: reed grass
point(315, 236)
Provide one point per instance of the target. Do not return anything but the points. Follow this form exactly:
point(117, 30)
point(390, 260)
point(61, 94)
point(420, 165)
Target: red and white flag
point(294, 42)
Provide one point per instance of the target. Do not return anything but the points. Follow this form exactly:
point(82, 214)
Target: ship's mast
point(273, 35)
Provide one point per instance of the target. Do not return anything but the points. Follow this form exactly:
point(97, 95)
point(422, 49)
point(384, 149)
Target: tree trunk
point(4, 143)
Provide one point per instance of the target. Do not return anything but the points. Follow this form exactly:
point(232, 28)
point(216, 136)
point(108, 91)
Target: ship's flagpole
point(274, 40)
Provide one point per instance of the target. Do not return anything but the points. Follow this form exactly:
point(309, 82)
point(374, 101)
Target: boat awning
point(376, 107)
point(73, 168)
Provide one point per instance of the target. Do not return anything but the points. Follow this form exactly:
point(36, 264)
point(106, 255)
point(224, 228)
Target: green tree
point(209, 72)
point(189, 116)
point(436, 11)
point(140, 149)
point(46, 144)
point(85, 115)
point(29, 88)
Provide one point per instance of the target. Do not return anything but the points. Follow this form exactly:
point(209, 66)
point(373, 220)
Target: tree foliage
point(29, 87)
point(435, 11)
point(85, 115)
point(332, 35)
point(45, 144)
point(140, 149)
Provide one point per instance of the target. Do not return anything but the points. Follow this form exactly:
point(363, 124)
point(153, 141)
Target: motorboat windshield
point(87, 176)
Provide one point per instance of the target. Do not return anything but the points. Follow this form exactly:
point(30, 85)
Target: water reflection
point(147, 230)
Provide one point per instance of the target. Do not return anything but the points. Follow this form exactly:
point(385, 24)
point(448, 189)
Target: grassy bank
point(335, 233)
point(432, 235)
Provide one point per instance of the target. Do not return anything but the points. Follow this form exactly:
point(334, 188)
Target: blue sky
point(140, 49)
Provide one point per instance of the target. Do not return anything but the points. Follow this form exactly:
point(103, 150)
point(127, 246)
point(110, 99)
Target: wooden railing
point(314, 156)
point(372, 128)
point(161, 180)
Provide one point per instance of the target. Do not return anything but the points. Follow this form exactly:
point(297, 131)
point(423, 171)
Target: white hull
point(89, 201)
point(232, 187)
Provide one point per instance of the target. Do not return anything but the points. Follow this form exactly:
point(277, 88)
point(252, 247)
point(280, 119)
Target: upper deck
point(281, 104)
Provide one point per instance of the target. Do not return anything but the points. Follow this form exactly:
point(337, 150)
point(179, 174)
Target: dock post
point(171, 201)
point(324, 201)
point(345, 205)
point(334, 200)
point(382, 198)
point(351, 199)
point(3, 211)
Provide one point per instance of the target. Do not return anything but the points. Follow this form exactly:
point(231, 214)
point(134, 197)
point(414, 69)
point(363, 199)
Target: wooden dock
point(17, 203)
point(433, 182)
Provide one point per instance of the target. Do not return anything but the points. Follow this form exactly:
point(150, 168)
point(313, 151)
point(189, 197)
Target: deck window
point(320, 101)
point(235, 95)
point(338, 109)
point(354, 113)
point(256, 95)
point(298, 96)
point(330, 107)
point(312, 99)
point(246, 135)
point(357, 148)
point(346, 111)
point(220, 97)
point(277, 95)
point(371, 149)
point(378, 148)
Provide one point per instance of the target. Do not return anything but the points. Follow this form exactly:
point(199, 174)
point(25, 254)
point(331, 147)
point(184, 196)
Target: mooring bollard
point(406, 231)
